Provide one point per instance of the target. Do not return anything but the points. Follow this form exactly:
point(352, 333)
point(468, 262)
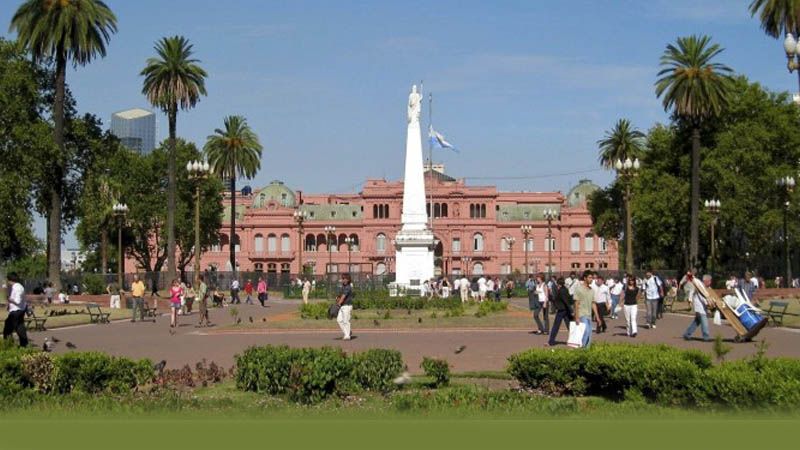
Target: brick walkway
point(487, 349)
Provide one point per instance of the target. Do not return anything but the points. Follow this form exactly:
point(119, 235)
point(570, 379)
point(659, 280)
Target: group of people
point(483, 288)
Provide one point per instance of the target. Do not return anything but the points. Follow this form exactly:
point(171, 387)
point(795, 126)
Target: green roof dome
point(276, 192)
point(578, 194)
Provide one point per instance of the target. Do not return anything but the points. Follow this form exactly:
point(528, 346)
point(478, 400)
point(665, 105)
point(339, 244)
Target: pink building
point(472, 224)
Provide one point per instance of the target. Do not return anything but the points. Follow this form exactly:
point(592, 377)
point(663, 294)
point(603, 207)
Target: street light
point(465, 260)
point(120, 211)
point(300, 216)
point(198, 171)
point(350, 242)
point(712, 206)
point(330, 231)
point(792, 48)
point(550, 214)
point(526, 232)
point(627, 171)
point(786, 184)
point(510, 240)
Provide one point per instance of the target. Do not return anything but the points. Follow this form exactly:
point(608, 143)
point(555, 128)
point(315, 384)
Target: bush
point(94, 372)
point(94, 284)
point(375, 369)
point(12, 374)
point(438, 369)
point(38, 370)
point(379, 300)
point(316, 311)
point(489, 307)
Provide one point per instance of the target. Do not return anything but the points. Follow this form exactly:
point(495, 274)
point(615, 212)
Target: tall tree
point(65, 30)
point(621, 142)
point(234, 152)
point(695, 88)
point(778, 18)
point(173, 80)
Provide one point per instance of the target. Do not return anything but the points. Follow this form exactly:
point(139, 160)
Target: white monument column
point(414, 242)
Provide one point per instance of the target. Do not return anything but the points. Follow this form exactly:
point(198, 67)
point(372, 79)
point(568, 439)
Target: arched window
point(272, 268)
point(477, 269)
point(258, 243)
point(380, 269)
point(322, 243)
point(437, 210)
point(285, 268)
point(285, 243)
point(386, 211)
point(354, 242)
point(444, 209)
point(380, 243)
point(272, 243)
point(575, 243)
point(237, 242)
point(375, 213)
point(223, 242)
point(588, 242)
point(342, 242)
point(601, 242)
point(472, 211)
point(311, 243)
point(483, 210)
point(477, 242)
point(259, 267)
point(504, 247)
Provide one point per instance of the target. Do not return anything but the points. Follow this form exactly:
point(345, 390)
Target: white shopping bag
point(717, 318)
point(576, 331)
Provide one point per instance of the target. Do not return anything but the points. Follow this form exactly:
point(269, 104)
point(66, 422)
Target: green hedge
point(316, 311)
point(369, 301)
point(89, 372)
point(309, 375)
point(438, 369)
point(659, 373)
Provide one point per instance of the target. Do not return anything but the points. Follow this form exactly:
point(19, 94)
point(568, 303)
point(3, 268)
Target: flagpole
point(430, 160)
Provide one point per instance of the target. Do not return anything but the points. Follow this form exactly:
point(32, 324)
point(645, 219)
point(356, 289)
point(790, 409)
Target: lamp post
point(510, 240)
point(465, 260)
point(330, 232)
point(198, 171)
point(550, 215)
point(786, 184)
point(627, 171)
point(350, 242)
point(120, 211)
point(792, 48)
point(300, 217)
point(526, 232)
point(712, 207)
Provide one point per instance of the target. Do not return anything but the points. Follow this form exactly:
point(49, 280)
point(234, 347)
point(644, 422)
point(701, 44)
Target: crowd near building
point(478, 230)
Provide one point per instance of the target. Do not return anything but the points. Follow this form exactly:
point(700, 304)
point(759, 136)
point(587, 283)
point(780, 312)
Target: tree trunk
point(171, 187)
point(695, 198)
point(103, 250)
point(54, 222)
point(233, 224)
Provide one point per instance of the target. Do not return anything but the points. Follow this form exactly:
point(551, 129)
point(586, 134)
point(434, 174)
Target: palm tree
point(234, 152)
point(695, 88)
point(778, 18)
point(620, 143)
point(76, 30)
point(172, 80)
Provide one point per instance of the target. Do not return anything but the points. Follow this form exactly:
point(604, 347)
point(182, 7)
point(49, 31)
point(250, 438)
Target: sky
point(524, 89)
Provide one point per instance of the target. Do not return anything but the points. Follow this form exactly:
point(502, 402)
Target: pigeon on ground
point(48, 345)
point(376, 323)
point(419, 319)
point(404, 378)
point(71, 345)
point(251, 319)
point(238, 321)
point(55, 339)
point(461, 349)
point(263, 319)
point(172, 332)
point(408, 311)
point(159, 367)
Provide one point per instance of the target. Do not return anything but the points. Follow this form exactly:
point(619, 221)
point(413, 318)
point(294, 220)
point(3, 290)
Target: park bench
point(36, 321)
point(96, 315)
point(776, 312)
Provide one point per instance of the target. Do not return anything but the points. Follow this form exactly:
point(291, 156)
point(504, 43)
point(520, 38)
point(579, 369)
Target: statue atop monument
point(414, 105)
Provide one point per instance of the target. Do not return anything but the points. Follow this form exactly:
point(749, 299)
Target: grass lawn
point(71, 318)
point(515, 317)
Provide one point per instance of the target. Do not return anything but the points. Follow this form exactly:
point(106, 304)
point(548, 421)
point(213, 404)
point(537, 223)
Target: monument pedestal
point(414, 258)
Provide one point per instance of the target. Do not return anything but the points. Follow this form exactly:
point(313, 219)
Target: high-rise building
point(135, 128)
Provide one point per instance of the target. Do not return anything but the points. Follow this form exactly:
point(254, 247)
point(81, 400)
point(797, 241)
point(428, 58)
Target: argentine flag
point(438, 141)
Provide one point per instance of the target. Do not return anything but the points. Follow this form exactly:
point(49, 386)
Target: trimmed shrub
point(94, 372)
point(375, 369)
point(38, 369)
point(488, 307)
point(12, 374)
point(552, 372)
point(373, 300)
point(438, 369)
point(316, 311)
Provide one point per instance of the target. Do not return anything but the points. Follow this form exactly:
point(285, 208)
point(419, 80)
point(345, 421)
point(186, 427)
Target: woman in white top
point(616, 294)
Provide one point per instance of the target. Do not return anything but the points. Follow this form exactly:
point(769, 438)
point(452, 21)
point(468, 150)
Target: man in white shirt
point(570, 282)
point(15, 322)
point(653, 289)
point(490, 285)
point(601, 301)
point(464, 287)
point(481, 288)
point(699, 305)
point(235, 291)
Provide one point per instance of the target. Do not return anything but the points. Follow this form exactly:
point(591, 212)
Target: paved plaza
point(487, 349)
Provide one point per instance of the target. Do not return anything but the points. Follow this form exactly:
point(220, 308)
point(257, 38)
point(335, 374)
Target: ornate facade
point(472, 226)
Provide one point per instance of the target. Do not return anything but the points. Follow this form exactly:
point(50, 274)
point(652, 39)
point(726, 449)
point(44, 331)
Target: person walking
point(49, 293)
point(137, 292)
point(543, 294)
point(345, 302)
point(463, 287)
point(631, 308)
point(653, 289)
point(584, 297)
point(202, 299)
point(560, 302)
point(482, 288)
point(114, 292)
point(175, 293)
point(616, 290)
point(261, 291)
point(235, 291)
point(535, 304)
point(601, 300)
point(700, 307)
point(248, 290)
point(16, 307)
point(189, 295)
point(306, 290)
